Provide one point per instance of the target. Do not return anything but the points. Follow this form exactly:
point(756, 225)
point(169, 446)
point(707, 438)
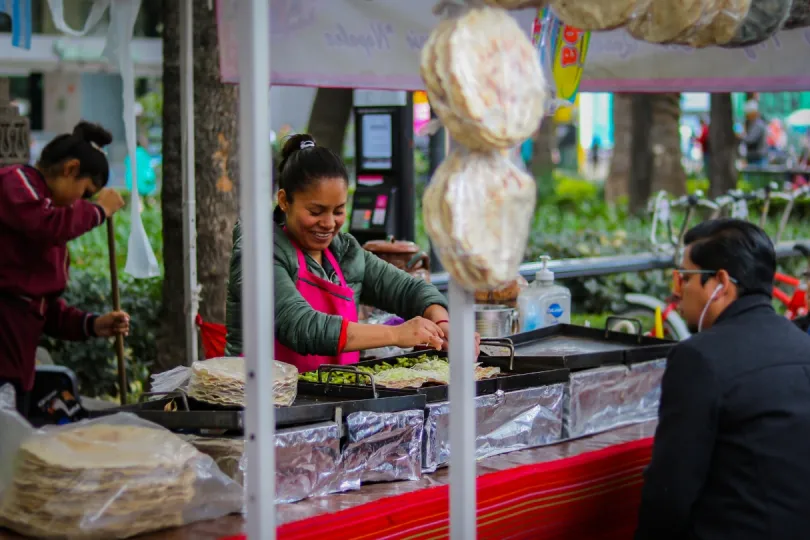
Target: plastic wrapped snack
point(764, 19)
point(477, 210)
point(722, 28)
point(799, 15)
point(665, 21)
point(115, 477)
point(597, 14)
point(221, 381)
point(484, 79)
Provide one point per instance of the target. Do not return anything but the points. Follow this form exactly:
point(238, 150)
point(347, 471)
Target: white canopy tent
point(375, 45)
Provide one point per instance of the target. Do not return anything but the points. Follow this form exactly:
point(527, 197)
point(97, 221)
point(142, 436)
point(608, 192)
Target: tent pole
point(191, 294)
point(257, 299)
point(462, 414)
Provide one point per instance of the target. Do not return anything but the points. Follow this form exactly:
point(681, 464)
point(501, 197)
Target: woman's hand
point(446, 329)
point(112, 324)
point(418, 331)
point(109, 200)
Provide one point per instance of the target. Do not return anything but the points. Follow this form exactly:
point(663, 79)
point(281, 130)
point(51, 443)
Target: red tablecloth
point(593, 496)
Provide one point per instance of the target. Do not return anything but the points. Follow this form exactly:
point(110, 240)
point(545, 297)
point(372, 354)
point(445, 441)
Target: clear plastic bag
point(516, 4)
point(114, 477)
point(799, 15)
point(722, 28)
point(221, 381)
point(477, 211)
point(8, 397)
point(763, 20)
point(665, 21)
point(598, 14)
point(483, 78)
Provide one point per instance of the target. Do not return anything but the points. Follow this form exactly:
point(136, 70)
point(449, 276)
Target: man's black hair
point(740, 248)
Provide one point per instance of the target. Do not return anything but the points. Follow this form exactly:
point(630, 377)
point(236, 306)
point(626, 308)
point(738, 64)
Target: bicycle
point(795, 303)
point(642, 307)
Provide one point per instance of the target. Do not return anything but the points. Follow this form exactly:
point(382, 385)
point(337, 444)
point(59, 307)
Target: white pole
point(462, 414)
point(191, 296)
point(257, 286)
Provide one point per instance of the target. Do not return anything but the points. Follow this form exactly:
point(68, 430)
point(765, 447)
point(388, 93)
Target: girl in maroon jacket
point(41, 209)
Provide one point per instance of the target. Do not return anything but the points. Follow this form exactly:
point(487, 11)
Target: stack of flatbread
point(763, 19)
point(484, 80)
point(221, 381)
point(100, 481)
point(477, 210)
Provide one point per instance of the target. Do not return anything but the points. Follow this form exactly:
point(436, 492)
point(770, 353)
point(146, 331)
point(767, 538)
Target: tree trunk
point(618, 180)
point(722, 146)
point(330, 117)
point(665, 136)
point(641, 151)
point(216, 162)
point(171, 339)
point(542, 166)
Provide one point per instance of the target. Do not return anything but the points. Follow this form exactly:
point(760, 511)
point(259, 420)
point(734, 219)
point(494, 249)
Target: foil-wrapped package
point(384, 447)
point(594, 400)
point(645, 390)
point(608, 397)
point(505, 422)
point(307, 461)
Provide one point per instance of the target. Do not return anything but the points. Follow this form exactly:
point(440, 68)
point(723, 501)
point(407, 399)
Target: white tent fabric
point(319, 43)
point(141, 260)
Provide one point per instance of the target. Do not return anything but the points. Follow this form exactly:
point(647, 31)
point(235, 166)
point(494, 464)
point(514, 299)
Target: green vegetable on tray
point(342, 377)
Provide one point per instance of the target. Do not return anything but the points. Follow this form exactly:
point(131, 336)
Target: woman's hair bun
point(294, 143)
point(92, 133)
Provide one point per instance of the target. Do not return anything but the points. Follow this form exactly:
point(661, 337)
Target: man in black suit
point(731, 458)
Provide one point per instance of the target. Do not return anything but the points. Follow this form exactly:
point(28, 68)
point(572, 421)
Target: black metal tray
point(309, 408)
point(578, 347)
point(433, 392)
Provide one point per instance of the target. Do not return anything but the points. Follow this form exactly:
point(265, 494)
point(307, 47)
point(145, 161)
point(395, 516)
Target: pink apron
point(326, 297)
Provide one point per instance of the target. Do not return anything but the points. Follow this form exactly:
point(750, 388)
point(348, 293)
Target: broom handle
point(116, 300)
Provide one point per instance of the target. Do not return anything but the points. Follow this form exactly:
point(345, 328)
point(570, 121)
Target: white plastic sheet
point(141, 260)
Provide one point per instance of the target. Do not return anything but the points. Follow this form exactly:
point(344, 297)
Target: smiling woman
point(322, 274)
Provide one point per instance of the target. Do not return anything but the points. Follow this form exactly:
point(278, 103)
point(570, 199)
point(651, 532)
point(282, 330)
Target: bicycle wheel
point(647, 319)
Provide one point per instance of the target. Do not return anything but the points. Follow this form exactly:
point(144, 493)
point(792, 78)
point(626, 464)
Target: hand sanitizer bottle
point(553, 301)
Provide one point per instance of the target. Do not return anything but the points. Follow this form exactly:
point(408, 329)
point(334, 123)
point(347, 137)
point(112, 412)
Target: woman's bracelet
point(443, 321)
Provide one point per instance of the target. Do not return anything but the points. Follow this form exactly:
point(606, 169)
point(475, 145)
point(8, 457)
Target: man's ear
point(725, 280)
point(70, 168)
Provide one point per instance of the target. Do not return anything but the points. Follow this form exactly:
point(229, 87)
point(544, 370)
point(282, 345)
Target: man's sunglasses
point(679, 276)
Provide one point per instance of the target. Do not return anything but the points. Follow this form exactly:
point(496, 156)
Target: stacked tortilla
point(100, 481)
point(477, 210)
point(221, 381)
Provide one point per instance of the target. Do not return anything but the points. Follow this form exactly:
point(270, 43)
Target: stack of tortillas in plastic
point(477, 210)
point(100, 481)
point(695, 23)
point(485, 82)
point(221, 381)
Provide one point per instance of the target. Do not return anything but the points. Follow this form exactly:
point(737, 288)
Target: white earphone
point(706, 309)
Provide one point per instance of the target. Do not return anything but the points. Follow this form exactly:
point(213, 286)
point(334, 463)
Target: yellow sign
point(571, 48)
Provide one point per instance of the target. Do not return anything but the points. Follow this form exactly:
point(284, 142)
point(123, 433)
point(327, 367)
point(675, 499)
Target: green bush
point(89, 289)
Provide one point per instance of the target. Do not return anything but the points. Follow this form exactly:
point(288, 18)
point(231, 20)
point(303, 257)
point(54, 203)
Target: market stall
point(580, 386)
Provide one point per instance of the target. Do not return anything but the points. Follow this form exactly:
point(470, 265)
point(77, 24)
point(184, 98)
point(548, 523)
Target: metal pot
point(495, 321)
point(403, 254)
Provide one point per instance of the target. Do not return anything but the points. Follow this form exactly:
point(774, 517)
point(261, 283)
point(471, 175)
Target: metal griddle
point(577, 348)
point(193, 415)
point(433, 392)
